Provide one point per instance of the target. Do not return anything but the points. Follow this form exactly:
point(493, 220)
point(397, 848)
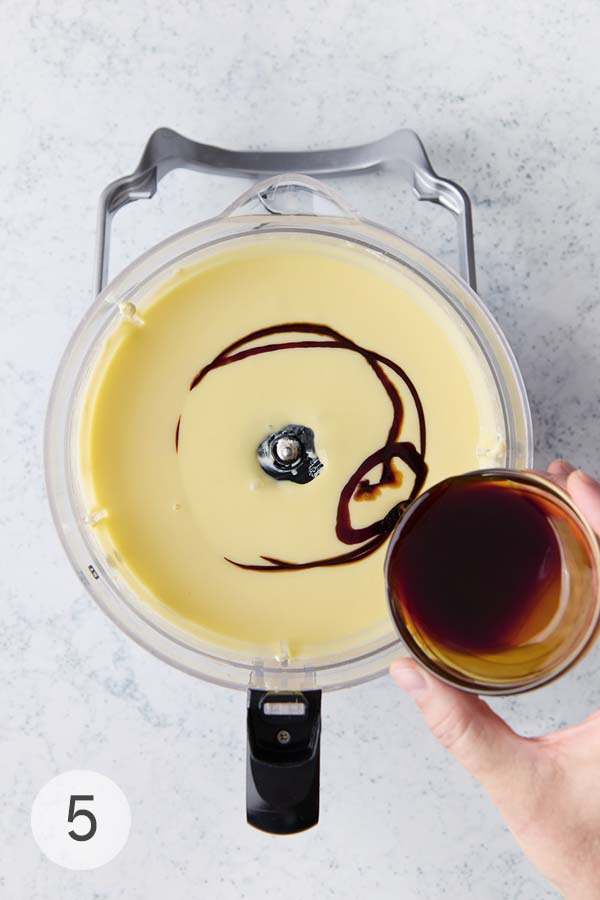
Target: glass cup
point(493, 581)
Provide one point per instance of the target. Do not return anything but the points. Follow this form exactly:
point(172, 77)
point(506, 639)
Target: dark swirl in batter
point(357, 487)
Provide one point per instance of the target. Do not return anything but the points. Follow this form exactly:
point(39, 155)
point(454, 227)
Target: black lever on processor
point(284, 750)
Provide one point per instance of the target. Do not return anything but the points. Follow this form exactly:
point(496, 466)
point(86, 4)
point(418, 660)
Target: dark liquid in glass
point(476, 572)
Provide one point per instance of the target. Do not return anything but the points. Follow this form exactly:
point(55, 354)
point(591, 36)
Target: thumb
point(466, 726)
point(585, 491)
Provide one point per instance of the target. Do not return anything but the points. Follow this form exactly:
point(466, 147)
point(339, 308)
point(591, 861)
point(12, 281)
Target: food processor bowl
point(290, 205)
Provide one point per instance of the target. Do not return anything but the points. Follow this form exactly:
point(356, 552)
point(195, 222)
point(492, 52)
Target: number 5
point(73, 813)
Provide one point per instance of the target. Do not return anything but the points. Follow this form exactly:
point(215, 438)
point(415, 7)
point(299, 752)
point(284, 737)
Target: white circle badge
point(81, 819)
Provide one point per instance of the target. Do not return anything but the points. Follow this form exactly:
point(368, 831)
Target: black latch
point(284, 745)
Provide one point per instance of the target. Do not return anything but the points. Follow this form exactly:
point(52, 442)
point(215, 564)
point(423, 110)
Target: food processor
point(290, 200)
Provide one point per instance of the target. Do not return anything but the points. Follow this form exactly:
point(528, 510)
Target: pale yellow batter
point(170, 519)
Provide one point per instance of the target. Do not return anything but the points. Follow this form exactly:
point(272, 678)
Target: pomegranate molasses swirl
point(358, 486)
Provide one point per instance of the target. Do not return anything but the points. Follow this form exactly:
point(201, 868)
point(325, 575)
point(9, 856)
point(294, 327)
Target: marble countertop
point(507, 102)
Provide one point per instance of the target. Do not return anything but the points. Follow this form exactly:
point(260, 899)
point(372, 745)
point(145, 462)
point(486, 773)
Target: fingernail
point(563, 465)
point(408, 678)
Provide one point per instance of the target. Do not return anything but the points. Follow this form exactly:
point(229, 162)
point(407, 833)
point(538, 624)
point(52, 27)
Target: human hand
point(546, 788)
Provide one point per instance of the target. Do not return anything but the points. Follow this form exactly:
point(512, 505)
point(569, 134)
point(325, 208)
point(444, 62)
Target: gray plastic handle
point(167, 150)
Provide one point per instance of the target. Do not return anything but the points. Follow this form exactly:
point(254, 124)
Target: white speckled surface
point(507, 101)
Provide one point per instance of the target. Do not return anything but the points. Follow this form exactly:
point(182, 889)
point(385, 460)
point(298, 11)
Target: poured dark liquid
point(476, 570)
point(359, 486)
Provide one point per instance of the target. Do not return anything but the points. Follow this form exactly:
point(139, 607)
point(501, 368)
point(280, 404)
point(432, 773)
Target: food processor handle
point(402, 151)
point(284, 748)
